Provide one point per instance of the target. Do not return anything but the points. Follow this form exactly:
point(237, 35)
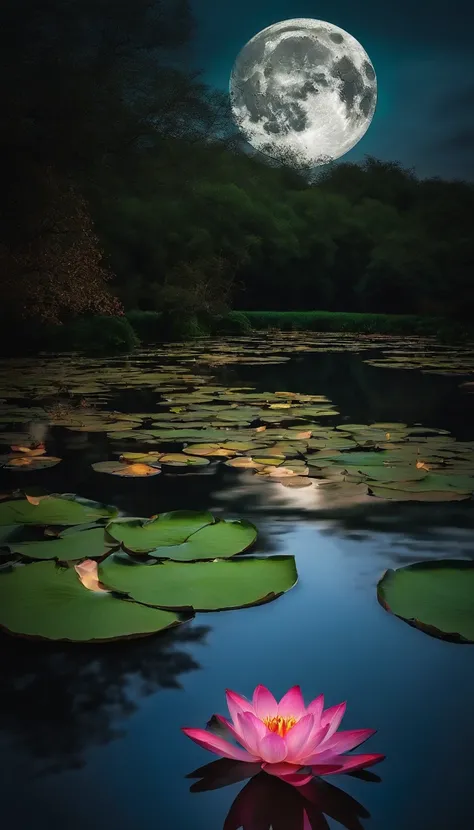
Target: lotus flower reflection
point(267, 803)
point(288, 739)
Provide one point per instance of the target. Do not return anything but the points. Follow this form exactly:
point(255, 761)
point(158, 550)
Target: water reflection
point(268, 803)
point(443, 525)
point(56, 702)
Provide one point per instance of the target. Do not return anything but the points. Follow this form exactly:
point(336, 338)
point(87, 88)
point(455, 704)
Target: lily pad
point(436, 597)
point(145, 458)
point(366, 459)
point(93, 424)
point(133, 435)
point(42, 600)
point(55, 509)
point(66, 548)
point(173, 528)
point(206, 586)
point(135, 469)
point(244, 463)
point(24, 463)
point(222, 539)
point(209, 450)
point(35, 449)
point(391, 474)
point(297, 482)
point(179, 459)
point(387, 492)
point(186, 434)
point(435, 482)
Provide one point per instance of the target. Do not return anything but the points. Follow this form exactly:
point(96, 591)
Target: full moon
point(303, 91)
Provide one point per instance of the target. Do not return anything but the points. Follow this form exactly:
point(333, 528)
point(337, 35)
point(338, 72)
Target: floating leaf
point(436, 596)
point(173, 528)
point(244, 446)
point(365, 459)
point(180, 459)
point(133, 435)
point(42, 600)
point(206, 586)
point(145, 458)
point(392, 474)
point(55, 509)
point(95, 425)
point(406, 495)
point(67, 546)
point(214, 450)
point(221, 540)
point(269, 460)
point(245, 463)
point(35, 449)
point(297, 481)
point(388, 425)
point(435, 482)
point(135, 470)
point(27, 463)
point(277, 472)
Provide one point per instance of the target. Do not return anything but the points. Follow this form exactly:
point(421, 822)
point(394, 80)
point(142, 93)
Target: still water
point(90, 735)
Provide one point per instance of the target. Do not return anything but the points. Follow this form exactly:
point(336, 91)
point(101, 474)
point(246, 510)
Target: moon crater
point(303, 91)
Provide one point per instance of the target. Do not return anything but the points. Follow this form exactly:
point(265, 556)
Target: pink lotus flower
point(287, 738)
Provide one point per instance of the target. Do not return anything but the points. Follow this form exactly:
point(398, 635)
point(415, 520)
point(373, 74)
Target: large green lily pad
point(436, 597)
point(173, 528)
point(217, 585)
point(42, 600)
point(67, 547)
point(56, 509)
point(222, 539)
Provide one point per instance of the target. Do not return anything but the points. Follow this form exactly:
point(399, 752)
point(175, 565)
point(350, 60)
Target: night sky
point(422, 53)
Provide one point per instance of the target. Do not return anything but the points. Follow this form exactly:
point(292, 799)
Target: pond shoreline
point(103, 335)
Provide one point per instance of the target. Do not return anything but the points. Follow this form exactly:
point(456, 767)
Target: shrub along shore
point(115, 335)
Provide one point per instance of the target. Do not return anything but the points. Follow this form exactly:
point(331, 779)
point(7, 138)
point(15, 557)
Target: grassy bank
point(151, 326)
point(115, 335)
point(353, 322)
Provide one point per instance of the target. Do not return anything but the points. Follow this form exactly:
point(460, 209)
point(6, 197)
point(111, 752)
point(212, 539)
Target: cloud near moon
point(303, 91)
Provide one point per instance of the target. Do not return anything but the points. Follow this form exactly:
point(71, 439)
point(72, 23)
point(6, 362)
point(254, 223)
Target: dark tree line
point(126, 186)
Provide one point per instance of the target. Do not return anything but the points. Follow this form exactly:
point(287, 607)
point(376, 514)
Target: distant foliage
point(204, 285)
point(148, 325)
point(101, 335)
point(236, 322)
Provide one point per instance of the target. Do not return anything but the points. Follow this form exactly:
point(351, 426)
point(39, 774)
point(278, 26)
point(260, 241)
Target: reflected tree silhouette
point(58, 700)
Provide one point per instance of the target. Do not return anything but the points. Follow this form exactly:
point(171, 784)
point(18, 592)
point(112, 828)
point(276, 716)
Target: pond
point(90, 732)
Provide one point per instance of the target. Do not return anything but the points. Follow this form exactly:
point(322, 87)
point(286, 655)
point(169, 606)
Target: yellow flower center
point(280, 725)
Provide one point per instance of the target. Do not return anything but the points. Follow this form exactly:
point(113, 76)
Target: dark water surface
point(90, 735)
